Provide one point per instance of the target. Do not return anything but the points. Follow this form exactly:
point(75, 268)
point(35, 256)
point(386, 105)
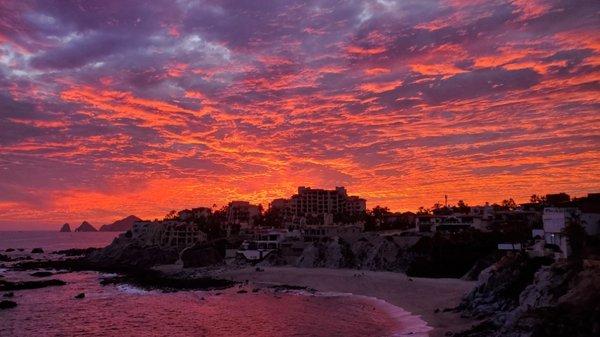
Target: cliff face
point(370, 252)
point(86, 227)
point(122, 225)
point(439, 256)
point(65, 228)
point(561, 299)
point(124, 252)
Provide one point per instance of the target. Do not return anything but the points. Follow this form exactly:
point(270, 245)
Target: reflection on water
point(128, 311)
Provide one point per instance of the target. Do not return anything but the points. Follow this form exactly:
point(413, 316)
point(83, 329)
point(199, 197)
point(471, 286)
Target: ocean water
point(53, 241)
point(123, 310)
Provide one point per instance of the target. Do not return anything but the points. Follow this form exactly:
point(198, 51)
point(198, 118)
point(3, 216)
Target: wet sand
point(420, 296)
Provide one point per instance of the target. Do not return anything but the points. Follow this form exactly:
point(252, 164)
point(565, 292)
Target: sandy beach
point(420, 296)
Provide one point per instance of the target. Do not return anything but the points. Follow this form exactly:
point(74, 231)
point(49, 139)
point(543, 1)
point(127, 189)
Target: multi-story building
point(242, 213)
point(555, 220)
point(194, 213)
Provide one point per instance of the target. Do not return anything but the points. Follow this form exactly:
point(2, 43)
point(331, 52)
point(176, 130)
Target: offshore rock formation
point(561, 299)
point(65, 228)
point(122, 225)
point(86, 227)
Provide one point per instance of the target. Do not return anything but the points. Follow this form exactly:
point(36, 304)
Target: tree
point(461, 207)
point(576, 238)
point(172, 215)
point(423, 211)
point(536, 199)
point(509, 204)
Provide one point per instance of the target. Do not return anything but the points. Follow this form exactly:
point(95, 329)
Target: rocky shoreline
point(516, 296)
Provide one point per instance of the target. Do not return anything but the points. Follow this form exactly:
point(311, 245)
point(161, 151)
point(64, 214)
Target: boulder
point(80, 296)
point(203, 254)
point(37, 251)
point(7, 304)
point(22, 285)
point(42, 274)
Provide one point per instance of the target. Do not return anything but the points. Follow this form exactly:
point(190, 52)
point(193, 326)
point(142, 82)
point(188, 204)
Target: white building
point(555, 220)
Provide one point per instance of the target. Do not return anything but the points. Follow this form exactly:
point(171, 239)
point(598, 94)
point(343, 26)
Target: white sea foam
point(408, 324)
point(132, 290)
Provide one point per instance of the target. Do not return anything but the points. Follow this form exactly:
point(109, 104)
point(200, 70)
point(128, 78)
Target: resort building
point(242, 214)
point(318, 207)
point(194, 213)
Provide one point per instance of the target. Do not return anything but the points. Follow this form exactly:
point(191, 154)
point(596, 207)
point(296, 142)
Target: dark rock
point(8, 250)
point(436, 310)
point(65, 228)
point(85, 227)
point(242, 291)
point(42, 274)
point(7, 304)
point(152, 279)
point(8, 295)
point(125, 253)
point(204, 254)
point(5, 258)
point(286, 287)
point(6, 285)
point(500, 285)
point(80, 296)
point(37, 251)
point(77, 251)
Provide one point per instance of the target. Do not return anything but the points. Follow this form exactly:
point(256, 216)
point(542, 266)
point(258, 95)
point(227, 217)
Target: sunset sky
point(111, 108)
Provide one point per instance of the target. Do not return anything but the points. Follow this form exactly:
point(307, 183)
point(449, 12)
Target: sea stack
point(65, 228)
point(86, 227)
point(120, 225)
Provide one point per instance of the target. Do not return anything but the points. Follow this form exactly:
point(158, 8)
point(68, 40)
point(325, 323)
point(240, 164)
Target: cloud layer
point(109, 107)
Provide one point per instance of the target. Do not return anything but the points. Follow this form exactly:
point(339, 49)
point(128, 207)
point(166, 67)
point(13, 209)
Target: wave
point(408, 324)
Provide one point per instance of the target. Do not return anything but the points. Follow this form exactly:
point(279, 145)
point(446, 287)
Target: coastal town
point(289, 225)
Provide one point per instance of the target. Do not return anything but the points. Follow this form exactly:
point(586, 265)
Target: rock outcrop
point(561, 299)
point(7, 305)
point(499, 286)
point(120, 225)
point(204, 254)
point(21, 285)
point(371, 252)
point(65, 228)
point(86, 227)
point(124, 252)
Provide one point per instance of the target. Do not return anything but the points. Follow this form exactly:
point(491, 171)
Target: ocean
point(123, 310)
